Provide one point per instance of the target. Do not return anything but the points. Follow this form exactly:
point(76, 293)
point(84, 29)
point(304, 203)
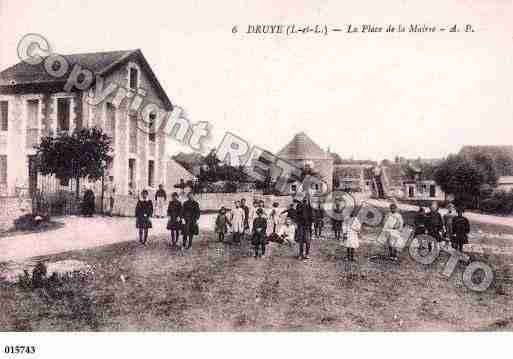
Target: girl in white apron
point(351, 230)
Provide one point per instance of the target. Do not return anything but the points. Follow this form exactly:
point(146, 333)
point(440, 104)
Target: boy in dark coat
point(143, 213)
point(420, 222)
point(259, 230)
point(304, 219)
point(174, 212)
point(460, 230)
point(190, 215)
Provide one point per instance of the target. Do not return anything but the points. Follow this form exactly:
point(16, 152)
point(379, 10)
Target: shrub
point(30, 221)
point(500, 202)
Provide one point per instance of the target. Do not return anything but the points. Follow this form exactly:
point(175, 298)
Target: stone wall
point(12, 208)
point(125, 205)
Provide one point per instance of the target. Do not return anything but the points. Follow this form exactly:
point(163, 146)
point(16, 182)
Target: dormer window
point(134, 78)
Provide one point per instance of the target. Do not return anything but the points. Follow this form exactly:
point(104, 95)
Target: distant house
point(418, 186)
point(353, 177)
point(304, 153)
point(34, 104)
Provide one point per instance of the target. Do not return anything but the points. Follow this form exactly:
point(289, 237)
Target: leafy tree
point(463, 178)
point(84, 153)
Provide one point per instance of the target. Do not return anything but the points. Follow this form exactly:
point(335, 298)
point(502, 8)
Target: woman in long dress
point(237, 221)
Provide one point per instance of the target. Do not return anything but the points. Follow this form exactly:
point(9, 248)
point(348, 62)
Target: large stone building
point(303, 152)
point(34, 103)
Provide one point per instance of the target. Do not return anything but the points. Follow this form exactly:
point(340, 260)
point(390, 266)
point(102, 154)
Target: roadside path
point(79, 233)
point(472, 217)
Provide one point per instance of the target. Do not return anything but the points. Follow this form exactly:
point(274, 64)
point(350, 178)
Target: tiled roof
point(302, 147)
point(23, 74)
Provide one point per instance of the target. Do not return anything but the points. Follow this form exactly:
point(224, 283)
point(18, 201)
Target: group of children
point(298, 223)
point(453, 227)
point(261, 224)
point(182, 218)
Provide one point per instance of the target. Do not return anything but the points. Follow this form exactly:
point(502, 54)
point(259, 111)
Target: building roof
point(176, 172)
point(302, 147)
point(23, 75)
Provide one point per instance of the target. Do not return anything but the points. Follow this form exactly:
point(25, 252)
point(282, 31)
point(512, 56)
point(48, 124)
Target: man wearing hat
point(304, 220)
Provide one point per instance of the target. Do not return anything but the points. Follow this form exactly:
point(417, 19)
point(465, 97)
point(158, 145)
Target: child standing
point(318, 214)
point(174, 212)
point(288, 232)
point(143, 213)
point(352, 228)
point(259, 230)
point(337, 219)
point(460, 230)
point(222, 224)
point(237, 222)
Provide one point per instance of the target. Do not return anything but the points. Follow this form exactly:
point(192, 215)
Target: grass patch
point(223, 288)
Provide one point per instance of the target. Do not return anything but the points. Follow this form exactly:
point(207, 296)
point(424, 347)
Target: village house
point(34, 104)
point(304, 153)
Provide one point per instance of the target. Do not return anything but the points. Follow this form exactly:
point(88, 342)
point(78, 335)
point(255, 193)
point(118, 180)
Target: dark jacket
point(460, 229)
point(174, 211)
point(190, 214)
point(246, 216)
point(143, 213)
point(434, 224)
point(190, 211)
point(304, 214)
point(420, 223)
point(259, 230)
point(160, 193)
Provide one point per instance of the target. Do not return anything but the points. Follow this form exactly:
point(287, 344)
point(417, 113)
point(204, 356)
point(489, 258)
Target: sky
point(365, 96)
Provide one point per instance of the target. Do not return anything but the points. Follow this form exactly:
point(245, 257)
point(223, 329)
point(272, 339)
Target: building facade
point(304, 153)
point(34, 104)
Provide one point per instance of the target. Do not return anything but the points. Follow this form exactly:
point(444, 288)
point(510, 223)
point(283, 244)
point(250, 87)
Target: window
point(111, 121)
point(432, 190)
point(151, 127)
point(4, 115)
point(133, 133)
point(3, 169)
point(131, 172)
point(151, 173)
point(411, 192)
point(293, 188)
point(63, 112)
point(32, 123)
point(133, 78)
